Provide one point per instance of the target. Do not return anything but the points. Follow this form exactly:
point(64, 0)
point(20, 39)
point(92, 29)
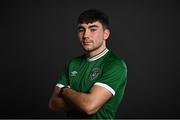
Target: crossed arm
point(88, 103)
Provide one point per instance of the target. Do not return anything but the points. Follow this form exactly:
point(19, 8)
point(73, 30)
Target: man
point(93, 84)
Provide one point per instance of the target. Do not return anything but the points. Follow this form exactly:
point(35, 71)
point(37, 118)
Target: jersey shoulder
point(76, 60)
point(114, 61)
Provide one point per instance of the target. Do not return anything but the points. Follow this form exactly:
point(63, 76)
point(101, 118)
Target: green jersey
point(105, 70)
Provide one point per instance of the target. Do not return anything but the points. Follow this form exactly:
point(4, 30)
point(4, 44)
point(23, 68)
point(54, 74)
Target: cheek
point(98, 35)
point(79, 36)
point(98, 39)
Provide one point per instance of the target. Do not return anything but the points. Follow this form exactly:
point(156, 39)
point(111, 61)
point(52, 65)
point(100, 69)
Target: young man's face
point(92, 36)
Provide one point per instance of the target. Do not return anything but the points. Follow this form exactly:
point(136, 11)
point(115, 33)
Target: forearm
point(81, 101)
point(58, 104)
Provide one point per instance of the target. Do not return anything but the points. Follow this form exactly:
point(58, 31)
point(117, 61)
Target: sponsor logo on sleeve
point(73, 73)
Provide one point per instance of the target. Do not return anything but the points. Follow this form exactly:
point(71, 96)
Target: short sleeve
point(113, 76)
point(63, 78)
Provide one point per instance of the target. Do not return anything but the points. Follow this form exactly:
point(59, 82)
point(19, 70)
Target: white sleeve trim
point(105, 86)
point(59, 85)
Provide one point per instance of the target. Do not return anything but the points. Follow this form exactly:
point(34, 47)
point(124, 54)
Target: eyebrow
point(80, 27)
point(91, 26)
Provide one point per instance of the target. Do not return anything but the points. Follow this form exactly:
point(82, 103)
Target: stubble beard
point(91, 49)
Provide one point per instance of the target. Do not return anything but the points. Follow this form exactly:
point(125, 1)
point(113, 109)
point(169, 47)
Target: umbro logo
point(73, 73)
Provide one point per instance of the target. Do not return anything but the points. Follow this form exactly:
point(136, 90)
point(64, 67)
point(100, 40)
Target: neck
point(95, 52)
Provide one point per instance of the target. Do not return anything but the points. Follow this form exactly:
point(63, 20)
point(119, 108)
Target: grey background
point(38, 37)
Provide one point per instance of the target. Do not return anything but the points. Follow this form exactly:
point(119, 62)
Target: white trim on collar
point(98, 56)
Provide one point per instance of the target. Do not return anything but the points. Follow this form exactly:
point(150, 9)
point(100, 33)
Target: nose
point(86, 34)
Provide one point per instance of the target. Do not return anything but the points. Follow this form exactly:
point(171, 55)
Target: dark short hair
point(93, 15)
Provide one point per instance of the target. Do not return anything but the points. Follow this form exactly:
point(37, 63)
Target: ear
point(106, 34)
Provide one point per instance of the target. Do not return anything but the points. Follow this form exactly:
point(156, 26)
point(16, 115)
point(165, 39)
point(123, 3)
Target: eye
point(80, 30)
point(93, 30)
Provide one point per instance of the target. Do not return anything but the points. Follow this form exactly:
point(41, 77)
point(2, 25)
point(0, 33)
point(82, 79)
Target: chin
point(88, 49)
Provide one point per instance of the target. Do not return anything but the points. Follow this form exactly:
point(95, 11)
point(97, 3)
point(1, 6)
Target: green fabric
point(82, 74)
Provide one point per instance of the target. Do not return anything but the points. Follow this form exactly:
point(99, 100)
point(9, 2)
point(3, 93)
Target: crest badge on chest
point(95, 72)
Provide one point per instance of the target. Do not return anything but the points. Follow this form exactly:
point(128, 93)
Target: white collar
point(98, 56)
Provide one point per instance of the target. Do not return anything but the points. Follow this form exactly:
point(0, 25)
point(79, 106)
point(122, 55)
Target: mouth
point(86, 43)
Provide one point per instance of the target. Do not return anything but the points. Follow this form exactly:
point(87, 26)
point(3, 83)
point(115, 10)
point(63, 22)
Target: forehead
point(93, 24)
